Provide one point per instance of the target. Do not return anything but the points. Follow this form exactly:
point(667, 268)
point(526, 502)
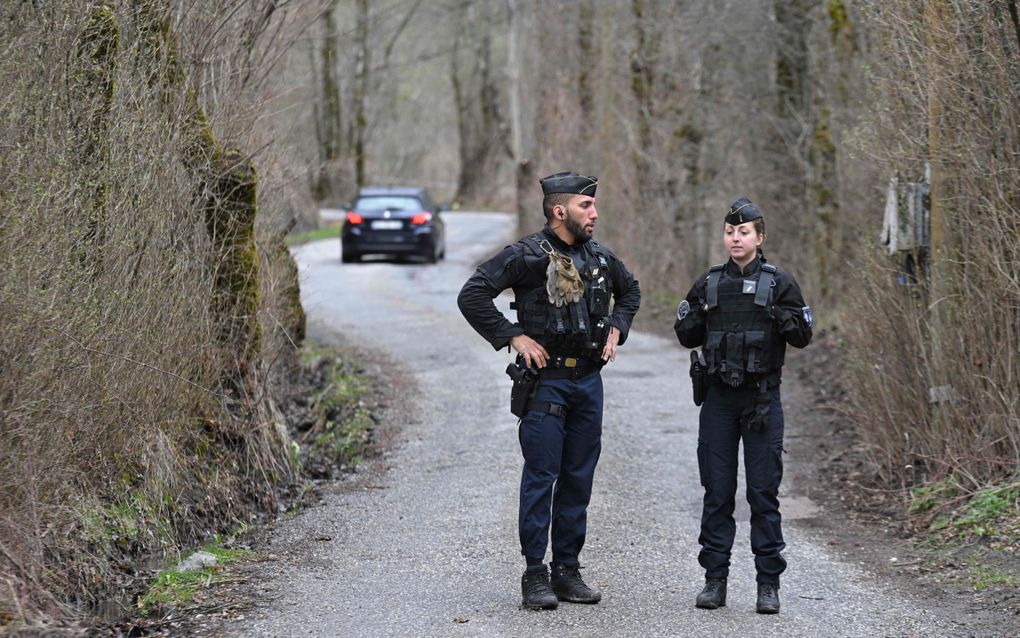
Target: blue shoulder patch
point(682, 311)
point(808, 317)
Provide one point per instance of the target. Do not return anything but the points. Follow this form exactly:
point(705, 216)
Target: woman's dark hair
point(759, 227)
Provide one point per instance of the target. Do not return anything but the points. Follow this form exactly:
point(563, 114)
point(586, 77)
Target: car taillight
point(421, 218)
point(354, 218)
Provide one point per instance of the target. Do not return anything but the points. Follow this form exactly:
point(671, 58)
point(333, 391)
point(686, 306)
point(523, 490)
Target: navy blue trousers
point(560, 454)
point(719, 435)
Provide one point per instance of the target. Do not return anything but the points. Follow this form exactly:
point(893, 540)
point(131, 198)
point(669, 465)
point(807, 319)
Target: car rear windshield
point(387, 203)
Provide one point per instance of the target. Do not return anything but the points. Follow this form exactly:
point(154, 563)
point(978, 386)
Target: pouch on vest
point(598, 302)
point(732, 369)
point(754, 344)
point(713, 351)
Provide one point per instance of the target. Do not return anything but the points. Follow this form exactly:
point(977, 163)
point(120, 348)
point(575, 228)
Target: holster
point(699, 377)
point(525, 381)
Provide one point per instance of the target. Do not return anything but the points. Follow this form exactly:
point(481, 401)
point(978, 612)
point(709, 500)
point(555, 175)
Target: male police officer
point(566, 332)
point(743, 312)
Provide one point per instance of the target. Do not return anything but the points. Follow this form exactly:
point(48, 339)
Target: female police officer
point(743, 312)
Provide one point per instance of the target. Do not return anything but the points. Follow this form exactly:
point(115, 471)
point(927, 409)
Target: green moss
point(230, 222)
point(292, 313)
point(689, 134)
point(839, 18)
point(983, 576)
point(822, 136)
point(91, 84)
point(174, 588)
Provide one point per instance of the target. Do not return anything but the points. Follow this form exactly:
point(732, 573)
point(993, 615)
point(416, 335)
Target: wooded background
point(155, 152)
point(808, 107)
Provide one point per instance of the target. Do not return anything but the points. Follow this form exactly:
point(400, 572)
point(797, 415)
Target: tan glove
point(562, 281)
point(570, 282)
point(552, 283)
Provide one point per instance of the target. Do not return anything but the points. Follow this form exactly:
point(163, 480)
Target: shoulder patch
point(682, 310)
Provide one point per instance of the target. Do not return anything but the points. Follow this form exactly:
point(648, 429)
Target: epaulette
point(769, 268)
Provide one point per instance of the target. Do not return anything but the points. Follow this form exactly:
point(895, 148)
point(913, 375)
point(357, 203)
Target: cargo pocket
point(776, 471)
point(702, 473)
point(754, 345)
point(713, 351)
point(733, 364)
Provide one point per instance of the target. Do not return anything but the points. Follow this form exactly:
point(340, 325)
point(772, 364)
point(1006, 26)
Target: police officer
point(743, 313)
point(565, 331)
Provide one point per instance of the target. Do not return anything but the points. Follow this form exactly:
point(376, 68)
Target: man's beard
point(577, 231)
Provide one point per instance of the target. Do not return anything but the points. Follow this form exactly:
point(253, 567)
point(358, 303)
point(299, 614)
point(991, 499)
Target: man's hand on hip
point(534, 354)
point(609, 352)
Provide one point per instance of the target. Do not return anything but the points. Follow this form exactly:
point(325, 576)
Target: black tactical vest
point(741, 343)
point(566, 329)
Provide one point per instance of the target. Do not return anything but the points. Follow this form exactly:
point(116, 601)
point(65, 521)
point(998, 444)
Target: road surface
point(429, 546)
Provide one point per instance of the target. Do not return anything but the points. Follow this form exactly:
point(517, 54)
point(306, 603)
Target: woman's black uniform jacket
point(791, 317)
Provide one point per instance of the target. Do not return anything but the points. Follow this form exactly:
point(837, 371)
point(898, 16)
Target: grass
point(347, 423)
point(983, 576)
point(172, 588)
point(991, 515)
point(296, 239)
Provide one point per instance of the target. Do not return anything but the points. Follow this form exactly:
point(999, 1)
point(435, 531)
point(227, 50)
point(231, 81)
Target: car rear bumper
point(364, 241)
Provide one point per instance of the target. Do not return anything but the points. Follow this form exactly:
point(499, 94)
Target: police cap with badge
point(570, 183)
point(742, 211)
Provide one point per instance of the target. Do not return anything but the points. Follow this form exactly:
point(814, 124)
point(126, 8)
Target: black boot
point(567, 583)
point(768, 598)
point(535, 589)
point(713, 595)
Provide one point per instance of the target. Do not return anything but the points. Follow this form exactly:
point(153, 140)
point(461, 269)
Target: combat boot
point(768, 598)
point(713, 595)
point(567, 583)
point(535, 589)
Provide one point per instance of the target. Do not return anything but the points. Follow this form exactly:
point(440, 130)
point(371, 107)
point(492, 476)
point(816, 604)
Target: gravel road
point(428, 546)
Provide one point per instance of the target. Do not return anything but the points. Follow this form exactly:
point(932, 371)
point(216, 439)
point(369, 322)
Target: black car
point(394, 221)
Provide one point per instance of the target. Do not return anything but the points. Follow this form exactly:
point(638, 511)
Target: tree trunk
point(329, 117)
point(361, 86)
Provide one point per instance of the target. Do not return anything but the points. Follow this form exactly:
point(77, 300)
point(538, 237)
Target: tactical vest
point(741, 343)
point(565, 329)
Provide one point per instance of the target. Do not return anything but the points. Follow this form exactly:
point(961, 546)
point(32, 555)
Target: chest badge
point(750, 286)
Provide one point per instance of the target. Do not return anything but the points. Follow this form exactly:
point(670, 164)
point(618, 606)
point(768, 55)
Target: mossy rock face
point(293, 313)
point(91, 87)
point(230, 222)
point(841, 26)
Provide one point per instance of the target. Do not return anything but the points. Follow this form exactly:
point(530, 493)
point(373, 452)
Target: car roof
point(379, 191)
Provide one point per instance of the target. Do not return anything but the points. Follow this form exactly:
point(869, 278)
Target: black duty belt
point(772, 379)
point(563, 367)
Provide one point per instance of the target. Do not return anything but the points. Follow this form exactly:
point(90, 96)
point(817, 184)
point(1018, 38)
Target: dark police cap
point(568, 182)
point(742, 211)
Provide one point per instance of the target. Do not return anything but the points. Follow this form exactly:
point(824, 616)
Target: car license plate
point(387, 224)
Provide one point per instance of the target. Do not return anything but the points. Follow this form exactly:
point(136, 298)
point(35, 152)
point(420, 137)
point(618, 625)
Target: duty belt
point(562, 367)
